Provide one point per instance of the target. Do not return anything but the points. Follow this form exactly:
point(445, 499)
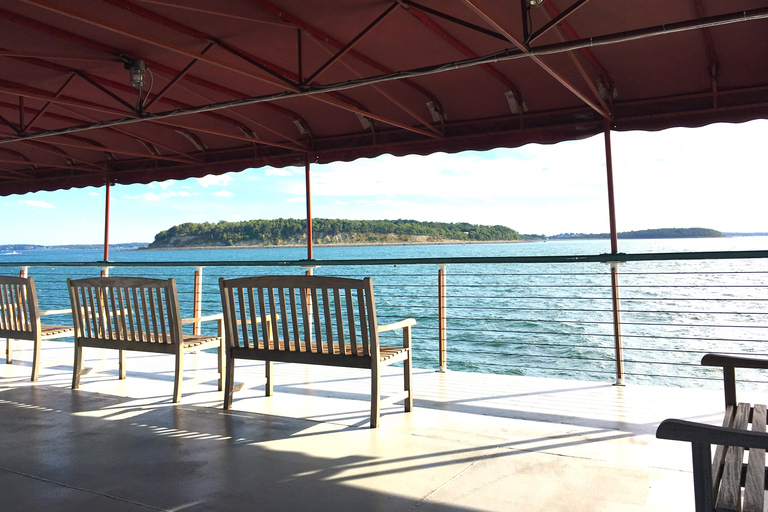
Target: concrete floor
point(474, 442)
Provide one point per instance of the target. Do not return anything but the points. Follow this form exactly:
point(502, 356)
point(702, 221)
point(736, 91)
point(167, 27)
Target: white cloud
point(211, 180)
point(95, 194)
point(222, 193)
point(296, 199)
point(39, 204)
point(151, 196)
point(277, 172)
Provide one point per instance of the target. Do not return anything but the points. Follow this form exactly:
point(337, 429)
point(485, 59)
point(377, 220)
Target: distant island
point(73, 247)
point(329, 232)
point(645, 234)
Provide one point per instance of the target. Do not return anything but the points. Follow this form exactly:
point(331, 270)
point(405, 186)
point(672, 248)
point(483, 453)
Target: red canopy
point(248, 83)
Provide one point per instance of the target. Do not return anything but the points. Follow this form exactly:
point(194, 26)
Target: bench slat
point(729, 497)
point(754, 487)
point(719, 459)
point(351, 321)
point(364, 333)
point(339, 321)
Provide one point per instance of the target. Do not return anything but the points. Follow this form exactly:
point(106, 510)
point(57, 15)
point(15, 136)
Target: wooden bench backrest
point(130, 309)
point(19, 317)
point(322, 315)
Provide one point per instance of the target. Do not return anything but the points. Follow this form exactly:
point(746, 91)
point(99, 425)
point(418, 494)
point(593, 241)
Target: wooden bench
point(727, 483)
point(20, 318)
point(133, 313)
point(313, 320)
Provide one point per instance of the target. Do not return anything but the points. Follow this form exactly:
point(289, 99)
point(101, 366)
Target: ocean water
point(541, 319)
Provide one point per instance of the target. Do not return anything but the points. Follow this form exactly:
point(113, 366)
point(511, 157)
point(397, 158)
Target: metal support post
point(441, 319)
point(197, 300)
point(309, 210)
point(24, 272)
point(617, 324)
point(614, 266)
point(106, 222)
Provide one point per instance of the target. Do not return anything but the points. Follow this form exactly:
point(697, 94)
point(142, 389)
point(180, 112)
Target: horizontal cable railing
point(534, 316)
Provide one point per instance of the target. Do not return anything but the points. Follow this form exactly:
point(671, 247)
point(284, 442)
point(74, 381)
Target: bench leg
point(268, 372)
point(36, 359)
point(8, 351)
point(375, 394)
point(407, 370)
point(229, 382)
point(702, 477)
point(222, 353)
point(178, 378)
point(121, 357)
point(77, 367)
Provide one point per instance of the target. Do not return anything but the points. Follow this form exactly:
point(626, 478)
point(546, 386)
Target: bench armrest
point(54, 312)
point(733, 361)
point(728, 364)
point(681, 430)
point(198, 319)
point(408, 322)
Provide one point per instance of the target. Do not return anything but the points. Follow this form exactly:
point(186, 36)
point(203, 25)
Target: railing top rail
point(596, 258)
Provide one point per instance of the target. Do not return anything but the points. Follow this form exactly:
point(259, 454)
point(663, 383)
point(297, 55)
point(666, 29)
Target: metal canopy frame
point(286, 82)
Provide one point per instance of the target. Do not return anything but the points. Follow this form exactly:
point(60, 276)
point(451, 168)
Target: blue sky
point(714, 177)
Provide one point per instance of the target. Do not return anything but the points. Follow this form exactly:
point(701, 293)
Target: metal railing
point(537, 316)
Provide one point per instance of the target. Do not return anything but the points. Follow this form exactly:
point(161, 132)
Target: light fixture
point(136, 68)
point(436, 111)
point(535, 3)
point(364, 121)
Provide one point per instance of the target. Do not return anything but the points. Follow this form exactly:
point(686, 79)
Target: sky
point(712, 177)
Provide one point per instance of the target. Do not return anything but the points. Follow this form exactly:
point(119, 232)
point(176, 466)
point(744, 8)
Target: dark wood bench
point(312, 320)
point(726, 482)
point(20, 318)
point(135, 313)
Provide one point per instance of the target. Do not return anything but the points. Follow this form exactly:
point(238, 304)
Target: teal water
point(549, 320)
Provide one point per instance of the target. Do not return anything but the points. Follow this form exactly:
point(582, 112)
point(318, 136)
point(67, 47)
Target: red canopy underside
point(249, 83)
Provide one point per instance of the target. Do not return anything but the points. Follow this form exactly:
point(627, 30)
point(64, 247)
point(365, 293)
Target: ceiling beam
point(176, 78)
point(464, 49)
point(49, 165)
point(54, 149)
point(47, 104)
point(69, 142)
point(218, 11)
point(324, 38)
point(565, 33)
point(55, 56)
point(559, 18)
point(26, 91)
point(349, 45)
point(546, 67)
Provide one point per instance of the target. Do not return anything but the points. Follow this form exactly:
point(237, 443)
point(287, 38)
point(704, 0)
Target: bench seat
point(312, 320)
point(734, 479)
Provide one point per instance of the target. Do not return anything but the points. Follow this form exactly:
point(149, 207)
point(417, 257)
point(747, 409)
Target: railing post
point(617, 323)
point(441, 319)
point(105, 271)
point(24, 272)
point(197, 300)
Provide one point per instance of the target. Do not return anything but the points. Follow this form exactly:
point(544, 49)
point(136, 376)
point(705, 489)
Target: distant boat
point(12, 252)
